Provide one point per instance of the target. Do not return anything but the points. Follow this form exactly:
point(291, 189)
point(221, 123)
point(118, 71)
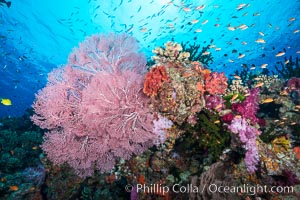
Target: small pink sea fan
point(95, 108)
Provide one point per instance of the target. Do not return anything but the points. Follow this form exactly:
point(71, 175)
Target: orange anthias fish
point(263, 66)
point(218, 106)
point(186, 9)
point(280, 54)
point(204, 22)
point(194, 21)
point(234, 97)
point(259, 84)
point(297, 151)
point(268, 100)
point(241, 56)
point(13, 188)
point(200, 7)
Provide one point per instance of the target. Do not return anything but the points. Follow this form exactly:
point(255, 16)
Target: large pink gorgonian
point(94, 107)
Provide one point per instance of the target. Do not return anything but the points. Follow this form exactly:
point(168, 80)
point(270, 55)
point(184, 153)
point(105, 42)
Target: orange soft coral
point(216, 83)
point(154, 80)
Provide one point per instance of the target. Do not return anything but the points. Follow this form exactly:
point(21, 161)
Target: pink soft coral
point(216, 83)
point(94, 107)
point(247, 135)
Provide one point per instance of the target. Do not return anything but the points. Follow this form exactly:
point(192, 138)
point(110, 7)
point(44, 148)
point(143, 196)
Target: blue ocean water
point(38, 35)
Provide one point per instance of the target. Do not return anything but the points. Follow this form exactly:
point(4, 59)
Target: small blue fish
point(139, 9)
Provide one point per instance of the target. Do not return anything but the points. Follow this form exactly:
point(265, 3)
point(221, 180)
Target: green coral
point(207, 135)
point(19, 150)
point(227, 99)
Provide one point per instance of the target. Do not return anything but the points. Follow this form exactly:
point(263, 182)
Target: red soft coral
point(154, 80)
point(216, 83)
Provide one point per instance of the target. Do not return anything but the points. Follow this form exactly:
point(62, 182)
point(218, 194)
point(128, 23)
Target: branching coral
point(237, 86)
point(270, 83)
point(171, 53)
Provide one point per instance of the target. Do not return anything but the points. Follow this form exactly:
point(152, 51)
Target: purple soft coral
point(247, 135)
point(214, 102)
point(249, 107)
point(159, 129)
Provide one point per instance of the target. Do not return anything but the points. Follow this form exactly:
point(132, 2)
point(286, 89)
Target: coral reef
point(179, 98)
point(178, 124)
point(216, 83)
point(20, 152)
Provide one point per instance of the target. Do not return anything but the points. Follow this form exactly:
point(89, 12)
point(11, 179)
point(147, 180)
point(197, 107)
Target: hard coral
point(179, 98)
point(171, 53)
point(154, 80)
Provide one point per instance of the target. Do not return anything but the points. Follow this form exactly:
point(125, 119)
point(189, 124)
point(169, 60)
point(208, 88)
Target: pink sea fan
point(117, 105)
point(111, 53)
point(94, 107)
point(56, 104)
